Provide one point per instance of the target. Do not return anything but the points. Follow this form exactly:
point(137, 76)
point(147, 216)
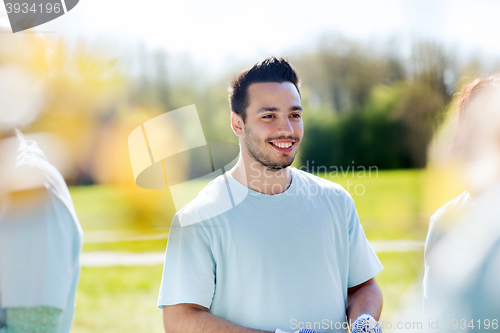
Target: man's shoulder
point(444, 218)
point(211, 201)
point(23, 165)
point(452, 206)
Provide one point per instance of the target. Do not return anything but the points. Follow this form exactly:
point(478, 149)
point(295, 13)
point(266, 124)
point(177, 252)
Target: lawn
point(118, 299)
point(391, 206)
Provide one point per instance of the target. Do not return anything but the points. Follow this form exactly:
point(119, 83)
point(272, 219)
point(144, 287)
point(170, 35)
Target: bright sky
point(219, 31)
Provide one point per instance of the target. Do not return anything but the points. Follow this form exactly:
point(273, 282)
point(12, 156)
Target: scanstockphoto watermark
point(336, 325)
point(318, 325)
point(440, 324)
point(455, 324)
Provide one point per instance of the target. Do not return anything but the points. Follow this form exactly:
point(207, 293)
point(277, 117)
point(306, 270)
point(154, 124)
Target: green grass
point(154, 245)
point(100, 208)
point(389, 203)
point(103, 207)
point(118, 299)
point(401, 270)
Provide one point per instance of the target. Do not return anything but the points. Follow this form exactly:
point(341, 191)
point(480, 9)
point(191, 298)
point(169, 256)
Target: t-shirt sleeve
point(36, 266)
point(189, 269)
point(363, 262)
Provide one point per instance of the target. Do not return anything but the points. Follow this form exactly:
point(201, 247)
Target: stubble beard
point(252, 144)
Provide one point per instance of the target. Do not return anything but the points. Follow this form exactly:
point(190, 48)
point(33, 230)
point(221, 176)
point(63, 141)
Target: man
point(292, 254)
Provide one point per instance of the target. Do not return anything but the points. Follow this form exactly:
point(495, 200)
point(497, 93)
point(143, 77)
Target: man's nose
point(285, 127)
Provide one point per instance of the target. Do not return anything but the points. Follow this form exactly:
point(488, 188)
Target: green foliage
point(418, 108)
point(367, 139)
point(343, 72)
point(386, 108)
point(391, 130)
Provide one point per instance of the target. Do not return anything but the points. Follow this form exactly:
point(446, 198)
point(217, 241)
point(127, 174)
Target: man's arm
point(364, 298)
point(187, 318)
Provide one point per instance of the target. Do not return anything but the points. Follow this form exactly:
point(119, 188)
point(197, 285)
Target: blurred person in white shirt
point(40, 235)
point(462, 253)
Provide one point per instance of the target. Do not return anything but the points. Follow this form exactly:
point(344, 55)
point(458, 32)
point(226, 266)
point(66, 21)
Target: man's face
point(273, 126)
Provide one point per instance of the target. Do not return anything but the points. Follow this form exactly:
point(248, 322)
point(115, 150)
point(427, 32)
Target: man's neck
point(260, 178)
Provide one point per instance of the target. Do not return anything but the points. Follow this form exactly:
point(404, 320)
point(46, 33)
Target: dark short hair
point(271, 69)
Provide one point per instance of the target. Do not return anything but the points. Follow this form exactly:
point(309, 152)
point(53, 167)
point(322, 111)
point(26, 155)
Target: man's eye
point(268, 116)
point(296, 115)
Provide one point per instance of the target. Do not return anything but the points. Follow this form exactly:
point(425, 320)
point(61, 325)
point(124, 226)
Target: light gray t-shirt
point(439, 225)
point(463, 268)
point(272, 261)
point(40, 241)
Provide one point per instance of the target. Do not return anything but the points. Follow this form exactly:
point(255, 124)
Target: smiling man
point(292, 254)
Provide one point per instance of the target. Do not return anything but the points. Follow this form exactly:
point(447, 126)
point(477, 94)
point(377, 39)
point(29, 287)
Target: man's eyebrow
point(267, 109)
point(274, 109)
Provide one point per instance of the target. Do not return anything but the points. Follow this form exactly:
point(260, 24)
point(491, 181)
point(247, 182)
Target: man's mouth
point(283, 145)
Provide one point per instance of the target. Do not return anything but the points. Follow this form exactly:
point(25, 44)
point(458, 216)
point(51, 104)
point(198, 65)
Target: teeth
point(283, 144)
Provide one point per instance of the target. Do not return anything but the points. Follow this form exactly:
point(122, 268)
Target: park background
point(378, 82)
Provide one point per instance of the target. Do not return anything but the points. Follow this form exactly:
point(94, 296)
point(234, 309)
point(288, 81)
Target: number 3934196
point(26, 14)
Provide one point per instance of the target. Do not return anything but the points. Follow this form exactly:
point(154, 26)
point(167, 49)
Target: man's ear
point(237, 124)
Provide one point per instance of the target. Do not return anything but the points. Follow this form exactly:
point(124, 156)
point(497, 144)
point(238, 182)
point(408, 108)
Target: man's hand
point(366, 323)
